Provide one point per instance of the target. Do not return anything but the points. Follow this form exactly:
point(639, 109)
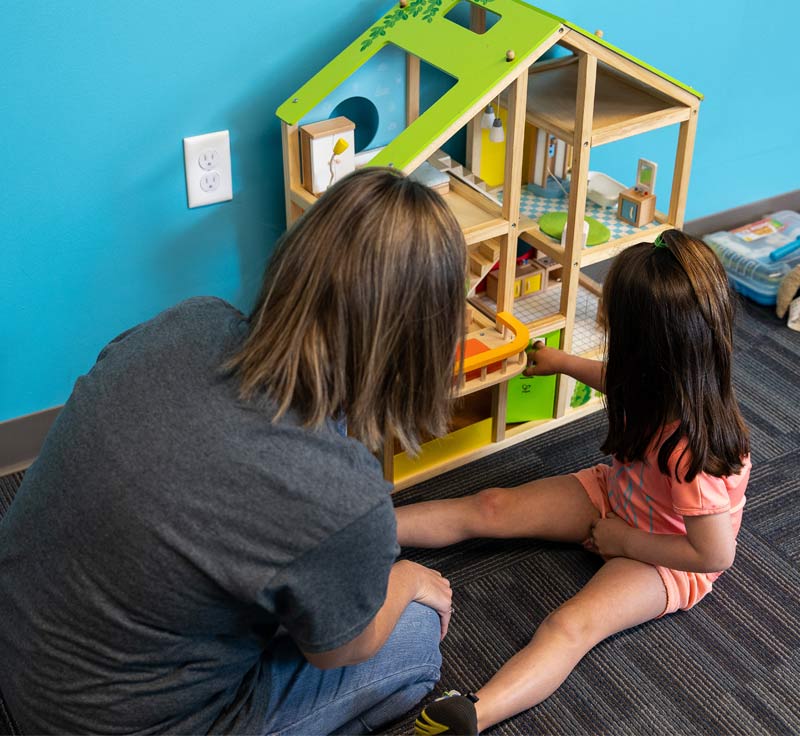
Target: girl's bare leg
point(622, 594)
point(556, 509)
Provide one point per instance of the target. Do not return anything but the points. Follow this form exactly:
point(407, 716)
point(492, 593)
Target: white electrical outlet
point(207, 161)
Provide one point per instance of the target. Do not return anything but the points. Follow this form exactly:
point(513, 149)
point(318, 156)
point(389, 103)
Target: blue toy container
point(757, 256)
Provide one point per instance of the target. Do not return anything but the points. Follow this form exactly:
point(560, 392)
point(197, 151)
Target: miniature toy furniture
point(552, 113)
point(528, 278)
point(548, 161)
point(328, 152)
point(637, 208)
point(432, 177)
point(646, 176)
point(603, 190)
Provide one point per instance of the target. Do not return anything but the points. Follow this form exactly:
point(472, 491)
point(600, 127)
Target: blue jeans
point(357, 699)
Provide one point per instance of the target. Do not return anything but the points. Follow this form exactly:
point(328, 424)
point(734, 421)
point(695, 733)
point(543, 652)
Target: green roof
point(628, 56)
point(477, 61)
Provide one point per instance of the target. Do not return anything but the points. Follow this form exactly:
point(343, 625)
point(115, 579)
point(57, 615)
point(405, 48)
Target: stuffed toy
point(787, 290)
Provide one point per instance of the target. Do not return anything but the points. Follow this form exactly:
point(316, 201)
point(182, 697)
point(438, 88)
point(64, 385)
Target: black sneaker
point(453, 714)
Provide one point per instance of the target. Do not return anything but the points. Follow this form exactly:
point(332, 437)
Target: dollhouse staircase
point(443, 162)
point(482, 258)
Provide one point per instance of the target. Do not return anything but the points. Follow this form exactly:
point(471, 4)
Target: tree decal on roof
point(429, 9)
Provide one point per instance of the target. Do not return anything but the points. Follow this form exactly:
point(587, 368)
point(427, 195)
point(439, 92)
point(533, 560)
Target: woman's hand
point(607, 537)
point(544, 361)
point(408, 582)
point(431, 589)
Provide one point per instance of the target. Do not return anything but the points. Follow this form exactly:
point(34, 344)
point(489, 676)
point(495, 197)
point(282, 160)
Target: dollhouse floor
point(587, 335)
point(534, 207)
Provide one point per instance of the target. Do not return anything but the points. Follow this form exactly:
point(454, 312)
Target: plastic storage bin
point(745, 253)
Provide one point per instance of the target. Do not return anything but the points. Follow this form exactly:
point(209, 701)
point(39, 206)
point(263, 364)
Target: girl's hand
point(544, 361)
point(607, 537)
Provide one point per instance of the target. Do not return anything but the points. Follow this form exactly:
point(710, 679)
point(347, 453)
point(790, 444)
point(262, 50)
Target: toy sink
point(603, 190)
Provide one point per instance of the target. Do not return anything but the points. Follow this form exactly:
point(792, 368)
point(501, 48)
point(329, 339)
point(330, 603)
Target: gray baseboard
point(21, 438)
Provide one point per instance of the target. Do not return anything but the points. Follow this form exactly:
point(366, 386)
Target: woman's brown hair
point(669, 317)
point(361, 311)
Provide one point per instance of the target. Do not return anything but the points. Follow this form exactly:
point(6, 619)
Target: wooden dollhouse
point(552, 112)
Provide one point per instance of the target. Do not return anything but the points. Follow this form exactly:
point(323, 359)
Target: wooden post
point(512, 188)
point(412, 88)
point(581, 145)
point(499, 405)
point(291, 170)
point(683, 165)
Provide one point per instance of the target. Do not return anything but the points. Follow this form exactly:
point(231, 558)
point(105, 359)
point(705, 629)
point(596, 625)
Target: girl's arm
point(709, 544)
point(544, 361)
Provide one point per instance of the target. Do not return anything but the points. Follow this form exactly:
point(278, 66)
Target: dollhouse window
point(460, 15)
point(365, 116)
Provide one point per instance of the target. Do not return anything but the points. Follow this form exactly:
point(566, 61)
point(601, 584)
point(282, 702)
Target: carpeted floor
point(729, 666)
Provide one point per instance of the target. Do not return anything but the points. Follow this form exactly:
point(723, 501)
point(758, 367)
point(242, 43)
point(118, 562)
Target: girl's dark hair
point(361, 311)
point(669, 320)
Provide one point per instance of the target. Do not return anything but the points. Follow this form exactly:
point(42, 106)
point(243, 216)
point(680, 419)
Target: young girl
point(664, 516)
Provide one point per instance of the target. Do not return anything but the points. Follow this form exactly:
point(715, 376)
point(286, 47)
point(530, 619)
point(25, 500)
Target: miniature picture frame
point(646, 176)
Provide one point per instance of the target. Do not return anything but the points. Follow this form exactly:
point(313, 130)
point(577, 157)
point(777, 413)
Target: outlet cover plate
point(207, 158)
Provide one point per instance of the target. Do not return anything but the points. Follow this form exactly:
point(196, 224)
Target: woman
point(198, 547)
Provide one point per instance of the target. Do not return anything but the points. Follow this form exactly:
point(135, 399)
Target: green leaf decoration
point(428, 8)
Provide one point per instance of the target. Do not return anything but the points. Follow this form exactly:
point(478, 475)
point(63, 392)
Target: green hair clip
point(659, 242)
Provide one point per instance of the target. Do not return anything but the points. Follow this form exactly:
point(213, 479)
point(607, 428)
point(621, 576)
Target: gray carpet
point(729, 666)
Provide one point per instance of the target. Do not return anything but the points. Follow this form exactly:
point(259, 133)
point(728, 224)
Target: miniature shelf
point(622, 108)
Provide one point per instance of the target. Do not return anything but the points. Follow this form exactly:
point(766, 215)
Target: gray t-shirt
point(166, 531)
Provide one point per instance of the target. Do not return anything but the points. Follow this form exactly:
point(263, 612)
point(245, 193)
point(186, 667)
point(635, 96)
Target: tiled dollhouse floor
point(587, 335)
point(534, 207)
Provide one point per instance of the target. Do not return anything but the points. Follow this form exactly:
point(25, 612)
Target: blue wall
point(95, 98)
